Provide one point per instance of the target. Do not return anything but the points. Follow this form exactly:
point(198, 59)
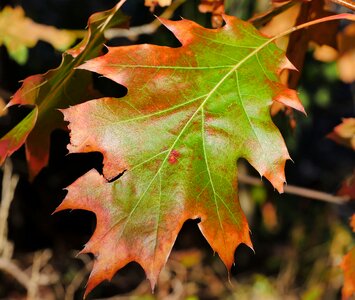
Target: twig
point(134, 32)
point(299, 191)
point(11, 268)
point(9, 183)
point(75, 283)
point(262, 19)
point(33, 284)
point(78, 279)
point(37, 279)
point(346, 3)
point(30, 283)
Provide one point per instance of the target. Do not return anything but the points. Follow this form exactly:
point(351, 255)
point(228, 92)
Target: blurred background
point(299, 242)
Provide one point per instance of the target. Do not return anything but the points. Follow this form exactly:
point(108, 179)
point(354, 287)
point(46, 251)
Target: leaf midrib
point(171, 67)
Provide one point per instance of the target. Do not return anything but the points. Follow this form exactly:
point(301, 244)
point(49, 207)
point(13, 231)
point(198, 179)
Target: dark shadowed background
point(298, 242)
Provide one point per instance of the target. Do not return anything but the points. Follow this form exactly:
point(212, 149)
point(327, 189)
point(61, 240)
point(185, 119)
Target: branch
point(263, 18)
point(30, 283)
point(78, 279)
point(134, 32)
point(12, 269)
point(37, 278)
point(9, 183)
point(33, 285)
point(346, 3)
point(299, 191)
point(76, 282)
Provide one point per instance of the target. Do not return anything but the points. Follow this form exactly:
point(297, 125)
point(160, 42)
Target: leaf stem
point(346, 3)
point(299, 191)
point(350, 17)
point(107, 21)
point(261, 19)
point(134, 32)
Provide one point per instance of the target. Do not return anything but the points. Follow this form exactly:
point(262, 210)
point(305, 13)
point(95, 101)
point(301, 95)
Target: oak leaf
point(318, 35)
point(55, 89)
point(352, 222)
point(216, 8)
point(348, 267)
point(190, 113)
point(346, 60)
point(322, 35)
point(153, 3)
point(18, 33)
point(344, 133)
point(348, 187)
point(344, 55)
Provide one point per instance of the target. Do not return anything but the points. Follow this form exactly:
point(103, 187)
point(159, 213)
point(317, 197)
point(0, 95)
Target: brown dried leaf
point(321, 34)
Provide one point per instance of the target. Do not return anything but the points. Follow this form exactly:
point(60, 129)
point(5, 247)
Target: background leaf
point(18, 33)
point(55, 89)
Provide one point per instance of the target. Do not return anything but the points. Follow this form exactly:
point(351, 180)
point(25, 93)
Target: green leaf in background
point(18, 33)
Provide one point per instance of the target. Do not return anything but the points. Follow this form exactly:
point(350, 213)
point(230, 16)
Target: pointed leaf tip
point(290, 98)
point(184, 29)
point(286, 64)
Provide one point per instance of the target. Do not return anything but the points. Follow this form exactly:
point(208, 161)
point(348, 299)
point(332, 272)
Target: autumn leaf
point(18, 33)
point(343, 53)
point(189, 115)
point(346, 60)
point(58, 88)
point(319, 35)
point(348, 266)
point(153, 3)
point(216, 8)
point(352, 222)
point(348, 187)
point(344, 133)
point(279, 23)
point(322, 36)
